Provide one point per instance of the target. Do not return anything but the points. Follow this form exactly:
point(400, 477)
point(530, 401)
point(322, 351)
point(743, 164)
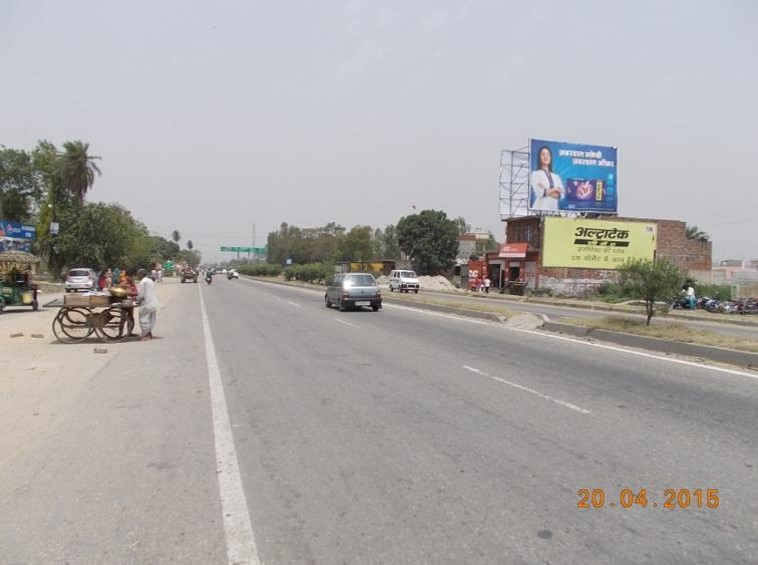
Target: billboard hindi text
point(572, 177)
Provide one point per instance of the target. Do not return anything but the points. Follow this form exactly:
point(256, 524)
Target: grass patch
point(668, 330)
point(466, 304)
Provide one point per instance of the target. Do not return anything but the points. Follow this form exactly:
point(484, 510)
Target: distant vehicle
point(404, 281)
point(80, 278)
point(232, 274)
point(189, 274)
point(353, 290)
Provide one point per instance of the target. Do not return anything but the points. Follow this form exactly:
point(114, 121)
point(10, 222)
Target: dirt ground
point(40, 376)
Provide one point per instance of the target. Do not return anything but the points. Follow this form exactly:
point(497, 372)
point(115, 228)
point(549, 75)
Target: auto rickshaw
point(16, 288)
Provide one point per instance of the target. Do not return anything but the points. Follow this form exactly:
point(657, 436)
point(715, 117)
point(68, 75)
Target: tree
point(390, 246)
point(98, 235)
point(651, 281)
point(190, 245)
point(21, 187)
point(463, 227)
point(193, 257)
point(693, 232)
point(430, 239)
point(77, 169)
point(176, 236)
point(164, 248)
point(356, 245)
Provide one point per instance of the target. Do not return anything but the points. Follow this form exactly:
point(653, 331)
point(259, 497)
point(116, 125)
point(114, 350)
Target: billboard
point(572, 177)
point(596, 244)
point(15, 235)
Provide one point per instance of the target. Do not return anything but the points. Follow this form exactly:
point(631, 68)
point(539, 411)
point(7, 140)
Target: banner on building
point(15, 235)
point(596, 244)
point(572, 177)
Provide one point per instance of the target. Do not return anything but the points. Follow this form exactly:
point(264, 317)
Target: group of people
point(118, 277)
point(482, 284)
point(140, 285)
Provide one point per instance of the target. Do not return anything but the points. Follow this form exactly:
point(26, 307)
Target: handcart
point(110, 318)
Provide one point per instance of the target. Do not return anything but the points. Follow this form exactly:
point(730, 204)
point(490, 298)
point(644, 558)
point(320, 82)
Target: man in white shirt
point(148, 305)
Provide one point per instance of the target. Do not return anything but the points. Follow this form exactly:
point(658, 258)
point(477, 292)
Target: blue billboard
point(572, 177)
point(15, 235)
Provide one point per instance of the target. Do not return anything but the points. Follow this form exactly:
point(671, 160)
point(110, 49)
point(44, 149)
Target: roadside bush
point(612, 292)
point(260, 270)
point(719, 292)
point(542, 292)
point(318, 273)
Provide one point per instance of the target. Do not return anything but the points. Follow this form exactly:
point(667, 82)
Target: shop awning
point(513, 250)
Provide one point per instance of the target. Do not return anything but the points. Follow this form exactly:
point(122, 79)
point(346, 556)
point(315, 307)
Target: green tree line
point(48, 185)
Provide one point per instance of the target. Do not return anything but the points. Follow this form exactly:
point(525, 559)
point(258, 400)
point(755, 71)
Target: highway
point(264, 428)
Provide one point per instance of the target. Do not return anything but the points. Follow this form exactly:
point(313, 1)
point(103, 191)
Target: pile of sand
point(384, 279)
point(435, 283)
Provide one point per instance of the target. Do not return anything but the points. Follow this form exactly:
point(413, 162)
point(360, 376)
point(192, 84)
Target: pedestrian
point(148, 305)
point(116, 277)
point(160, 275)
point(487, 284)
point(691, 300)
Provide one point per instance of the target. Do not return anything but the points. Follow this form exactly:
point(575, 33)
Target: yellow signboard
point(596, 244)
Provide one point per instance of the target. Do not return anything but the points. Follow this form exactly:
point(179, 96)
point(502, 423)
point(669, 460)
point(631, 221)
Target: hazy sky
point(212, 116)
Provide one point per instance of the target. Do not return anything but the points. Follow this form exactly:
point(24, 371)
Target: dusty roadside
point(40, 378)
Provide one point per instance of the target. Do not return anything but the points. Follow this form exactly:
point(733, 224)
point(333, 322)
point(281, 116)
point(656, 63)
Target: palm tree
point(176, 236)
point(77, 169)
point(693, 232)
point(190, 245)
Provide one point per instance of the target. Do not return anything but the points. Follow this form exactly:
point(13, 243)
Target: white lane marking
point(529, 390)
point(346, 323)
point(429, 313)
point(240, 541)
point(643, 354)
point(295, 304)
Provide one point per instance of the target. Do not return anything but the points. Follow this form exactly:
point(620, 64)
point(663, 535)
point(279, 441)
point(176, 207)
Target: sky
point(220, 118)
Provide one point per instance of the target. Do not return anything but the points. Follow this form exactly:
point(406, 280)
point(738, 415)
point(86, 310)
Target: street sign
point(244, 249)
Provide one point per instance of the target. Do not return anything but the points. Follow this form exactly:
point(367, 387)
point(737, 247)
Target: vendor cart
point(110, 318)
point(16, 288)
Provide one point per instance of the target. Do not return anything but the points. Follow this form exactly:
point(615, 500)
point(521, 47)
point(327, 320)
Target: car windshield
point(408, 275)
point(78, 273)
point(360, 280)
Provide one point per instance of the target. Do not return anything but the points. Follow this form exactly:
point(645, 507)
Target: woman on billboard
point(547, 187)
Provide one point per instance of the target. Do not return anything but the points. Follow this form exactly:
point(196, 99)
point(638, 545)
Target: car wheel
point(340, 306)
point(375, 308)
point(392, 289)
point(327, 302)
point(415, 291)
point(182, 281)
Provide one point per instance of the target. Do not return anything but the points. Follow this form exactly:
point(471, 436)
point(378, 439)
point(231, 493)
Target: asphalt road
point(389, 437)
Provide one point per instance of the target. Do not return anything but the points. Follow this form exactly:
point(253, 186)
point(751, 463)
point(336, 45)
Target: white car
point(81, 278)
point(232, 274)
point(404, 281)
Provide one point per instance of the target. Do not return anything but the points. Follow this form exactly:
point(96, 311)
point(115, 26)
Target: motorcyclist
point(209, 276)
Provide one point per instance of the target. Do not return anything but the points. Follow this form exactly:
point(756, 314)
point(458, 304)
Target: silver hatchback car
point(353, 290)
point(81, 279)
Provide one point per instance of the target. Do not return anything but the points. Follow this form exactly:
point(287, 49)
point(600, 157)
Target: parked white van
point(404, 281)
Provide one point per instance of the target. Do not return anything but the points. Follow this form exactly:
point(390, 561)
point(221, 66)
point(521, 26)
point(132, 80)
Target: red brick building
point(520, 258)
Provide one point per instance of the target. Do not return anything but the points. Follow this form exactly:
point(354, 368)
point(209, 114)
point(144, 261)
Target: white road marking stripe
point(240, 541)
point(346, 323)
point(643, 354)
point(429, 313)
point(294, 304)
point(529, 390)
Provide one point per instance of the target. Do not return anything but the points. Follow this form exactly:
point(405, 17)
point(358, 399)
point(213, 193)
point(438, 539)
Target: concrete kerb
point(717, 354)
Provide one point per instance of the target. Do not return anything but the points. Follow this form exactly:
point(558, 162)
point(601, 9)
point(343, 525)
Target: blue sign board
point(16, 230)
point(572, 177)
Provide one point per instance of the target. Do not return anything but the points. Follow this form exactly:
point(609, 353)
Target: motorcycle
point(209, 278)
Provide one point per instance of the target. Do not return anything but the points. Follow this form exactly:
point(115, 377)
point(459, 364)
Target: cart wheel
point(73, 325)
point(113, 325)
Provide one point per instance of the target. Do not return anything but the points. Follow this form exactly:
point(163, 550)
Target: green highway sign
point(244, 249)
